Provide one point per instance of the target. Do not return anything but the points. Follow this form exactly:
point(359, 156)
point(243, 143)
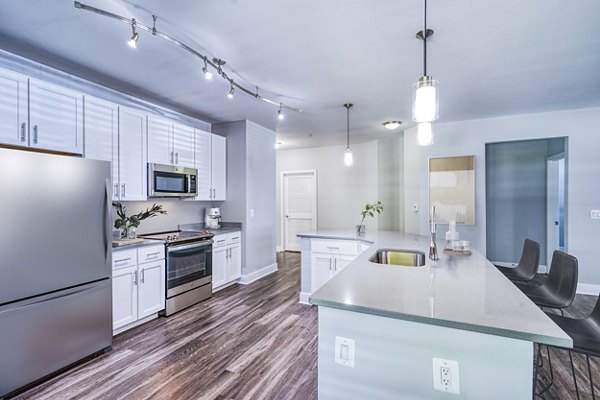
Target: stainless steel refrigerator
point(55, 264)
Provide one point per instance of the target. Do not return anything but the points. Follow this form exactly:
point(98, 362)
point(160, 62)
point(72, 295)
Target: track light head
point(231, 91)
point(207, 74)
point(134, 36)
point(280, 115)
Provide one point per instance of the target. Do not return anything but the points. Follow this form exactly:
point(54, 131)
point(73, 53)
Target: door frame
point(282, 199)
point(556, 157)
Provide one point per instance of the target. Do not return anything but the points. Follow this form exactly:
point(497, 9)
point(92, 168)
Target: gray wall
point(470, 137)
point(251, 190)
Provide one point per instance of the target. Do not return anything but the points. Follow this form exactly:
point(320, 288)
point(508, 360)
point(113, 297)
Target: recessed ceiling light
point(391, 124)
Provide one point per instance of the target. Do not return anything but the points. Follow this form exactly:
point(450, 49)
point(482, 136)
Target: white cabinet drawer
point(220, 240)
point(151, 253)
point(349, 247)
point(235, 237)
point(124, 258)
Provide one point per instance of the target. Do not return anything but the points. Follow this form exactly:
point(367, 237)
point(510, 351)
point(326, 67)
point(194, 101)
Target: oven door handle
point(205, 243)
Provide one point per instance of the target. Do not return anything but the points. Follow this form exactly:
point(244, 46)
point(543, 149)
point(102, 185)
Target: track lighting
point(231, 90)
point(207, 74)
point(280, 115)
point(348, 156)
point(424, 134)
point(134, 37)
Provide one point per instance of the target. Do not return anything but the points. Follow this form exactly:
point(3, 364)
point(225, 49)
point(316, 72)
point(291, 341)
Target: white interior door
point(299, 206)
point(554, 199)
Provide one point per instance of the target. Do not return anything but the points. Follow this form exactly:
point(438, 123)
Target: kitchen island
point(381, 326)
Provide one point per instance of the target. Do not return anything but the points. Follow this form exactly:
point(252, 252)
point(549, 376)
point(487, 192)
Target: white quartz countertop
point(463, 292)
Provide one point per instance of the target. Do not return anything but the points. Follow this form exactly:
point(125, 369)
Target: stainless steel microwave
point(171, 181)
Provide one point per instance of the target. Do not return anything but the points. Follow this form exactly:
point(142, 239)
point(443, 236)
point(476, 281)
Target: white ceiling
point(492, 57)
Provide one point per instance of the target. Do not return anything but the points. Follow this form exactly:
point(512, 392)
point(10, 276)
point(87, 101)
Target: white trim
point(282, 201)
point(586, 288)
point(226, 285)
point(279, 249)
point(304, 298)
point(256, 275)
point(134, 324)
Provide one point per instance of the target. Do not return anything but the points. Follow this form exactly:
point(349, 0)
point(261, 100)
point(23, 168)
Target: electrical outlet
point(344, 351)
point(446, 376)
point(595, 214)
point(415, 207)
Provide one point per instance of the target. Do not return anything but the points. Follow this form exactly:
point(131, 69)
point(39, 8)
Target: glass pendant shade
point(348, 157)
point(424, 134)
point(425, 100)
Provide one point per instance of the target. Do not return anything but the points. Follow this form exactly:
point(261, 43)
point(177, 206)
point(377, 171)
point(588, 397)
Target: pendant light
point(348, 156)
point(425, 91)
point(424, 134)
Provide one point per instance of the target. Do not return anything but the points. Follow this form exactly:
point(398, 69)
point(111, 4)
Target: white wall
point(342, 192)
point(469, 137)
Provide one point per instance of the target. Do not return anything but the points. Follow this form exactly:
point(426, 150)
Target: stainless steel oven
point(171, 181)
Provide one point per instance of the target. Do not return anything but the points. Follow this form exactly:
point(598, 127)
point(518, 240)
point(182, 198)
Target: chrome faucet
point(433, 254)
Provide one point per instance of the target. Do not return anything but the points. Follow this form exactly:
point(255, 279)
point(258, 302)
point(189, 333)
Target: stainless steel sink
point(401, 258)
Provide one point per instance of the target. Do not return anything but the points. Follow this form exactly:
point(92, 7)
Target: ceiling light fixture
point(231, 90)
point(348, 156)
point(425, 91)
point(425, 134)
point(134, 37)
point(391, 124)
point(278, 145)
point(280, 115)
point(136, 25)
point(207, 74)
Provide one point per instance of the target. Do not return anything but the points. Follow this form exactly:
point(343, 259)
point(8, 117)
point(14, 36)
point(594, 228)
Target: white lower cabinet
point(330, 257)
point(226, 259)
point(138, 288)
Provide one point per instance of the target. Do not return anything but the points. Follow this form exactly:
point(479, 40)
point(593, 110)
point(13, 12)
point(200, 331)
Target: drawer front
point(349, 247)
point(220, 240)
point(150, 253)
point(124, 258)
point(235, 237)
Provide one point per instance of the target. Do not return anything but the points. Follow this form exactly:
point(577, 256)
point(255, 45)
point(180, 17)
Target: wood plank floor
point(247, 342)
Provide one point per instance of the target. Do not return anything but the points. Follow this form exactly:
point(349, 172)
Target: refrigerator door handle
point(107, 229)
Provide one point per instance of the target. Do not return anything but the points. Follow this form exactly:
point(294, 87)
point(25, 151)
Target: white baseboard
point(279, 249)
point(586, 288)
point(256, 275)
point(304, 298)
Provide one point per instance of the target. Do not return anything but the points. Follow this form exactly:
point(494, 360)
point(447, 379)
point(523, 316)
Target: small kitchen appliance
point(212, 218)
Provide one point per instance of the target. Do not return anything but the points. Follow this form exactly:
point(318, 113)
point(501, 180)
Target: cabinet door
point(151, 294)
point(160, 141)
point(101, 129)
point(219, 167)
point(340, 262)
point(219, 266)
point(234, 266)
point(321, 266)
point(125, 296)
point(183, 145)
point(56, 118)
point(132, 154)
point(203, 165)
point(13, 108)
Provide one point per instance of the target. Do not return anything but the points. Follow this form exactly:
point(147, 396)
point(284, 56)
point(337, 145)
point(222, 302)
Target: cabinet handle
point(214, 193)
point(330, 264)
point(23, 132)
point(116, 193)
point(123, 190)
point(122, 260)
point(333, 248)
point(142, 276)
point(35, 134)
point(152, 255)
point(335, 264)
point(135, 278)
point(172, 159)
point(176, 158)
point(210, 193)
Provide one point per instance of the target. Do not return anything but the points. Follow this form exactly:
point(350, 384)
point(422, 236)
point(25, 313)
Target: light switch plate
point(446, 377)
point(344, 351)
point(595, 214)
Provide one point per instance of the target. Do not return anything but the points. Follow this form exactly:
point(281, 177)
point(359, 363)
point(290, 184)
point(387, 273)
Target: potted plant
point(369, 211)
point(128, 225)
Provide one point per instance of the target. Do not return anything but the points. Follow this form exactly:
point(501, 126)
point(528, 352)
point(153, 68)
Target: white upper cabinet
point(13, 108)
point(219, 167)
point(101, 129)
point(160, 141)
point(55, 117)
point(203, 165)
point(170, 143)
point(132, 155)
point(183, 145)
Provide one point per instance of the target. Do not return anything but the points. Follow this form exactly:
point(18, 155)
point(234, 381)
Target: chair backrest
point(595, 315)
point(562, 279)
point(530, 258)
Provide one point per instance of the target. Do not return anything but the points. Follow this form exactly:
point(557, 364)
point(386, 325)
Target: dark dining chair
point(585, 333)
point(528, 264)
point(559, 289)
